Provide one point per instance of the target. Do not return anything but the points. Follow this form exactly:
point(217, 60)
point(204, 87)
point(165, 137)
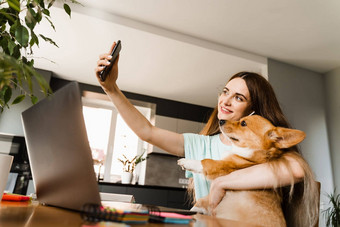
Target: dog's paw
point(199, 210)
point(191, 165)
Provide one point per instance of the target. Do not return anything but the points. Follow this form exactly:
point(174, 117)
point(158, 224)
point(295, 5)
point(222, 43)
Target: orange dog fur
point(255, 140)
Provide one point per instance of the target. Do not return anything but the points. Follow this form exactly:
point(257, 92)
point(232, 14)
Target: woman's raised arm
point(169, 141)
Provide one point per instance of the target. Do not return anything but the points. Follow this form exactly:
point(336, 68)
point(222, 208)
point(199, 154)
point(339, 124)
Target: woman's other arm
point(169, 141)
point(259, 176)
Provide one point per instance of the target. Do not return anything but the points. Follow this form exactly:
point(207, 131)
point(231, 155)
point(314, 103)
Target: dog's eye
point(243, 123)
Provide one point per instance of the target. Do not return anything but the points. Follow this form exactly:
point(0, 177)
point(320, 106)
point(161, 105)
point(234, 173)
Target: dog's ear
point(285, 137)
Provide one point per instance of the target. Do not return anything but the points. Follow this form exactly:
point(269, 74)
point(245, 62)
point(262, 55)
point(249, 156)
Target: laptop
point(59, 151)
point(60, 156)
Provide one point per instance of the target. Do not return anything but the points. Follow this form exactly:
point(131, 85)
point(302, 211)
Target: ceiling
point(187, 50)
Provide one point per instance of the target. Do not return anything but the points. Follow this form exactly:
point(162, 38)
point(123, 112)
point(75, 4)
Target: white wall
point(10, 119)
point(302, 96)
point(332, 82)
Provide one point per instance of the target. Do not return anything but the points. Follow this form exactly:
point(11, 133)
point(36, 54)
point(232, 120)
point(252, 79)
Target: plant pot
point(126, 177)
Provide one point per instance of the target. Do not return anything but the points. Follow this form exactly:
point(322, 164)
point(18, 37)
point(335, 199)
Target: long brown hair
point(264, 102)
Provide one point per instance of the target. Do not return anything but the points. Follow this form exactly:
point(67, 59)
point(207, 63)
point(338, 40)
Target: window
point(110, 137)
point(98, 121)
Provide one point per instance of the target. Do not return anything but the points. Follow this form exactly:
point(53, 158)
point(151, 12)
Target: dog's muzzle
point(221, 122)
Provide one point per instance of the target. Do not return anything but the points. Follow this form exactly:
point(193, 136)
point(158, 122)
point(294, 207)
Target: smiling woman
point(246, 92)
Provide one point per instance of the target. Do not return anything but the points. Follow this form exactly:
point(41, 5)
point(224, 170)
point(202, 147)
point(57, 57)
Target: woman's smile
point(225, 110)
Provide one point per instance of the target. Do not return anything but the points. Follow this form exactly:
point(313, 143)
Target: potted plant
point(129, 166)
point(332, 213)
point(18, 20)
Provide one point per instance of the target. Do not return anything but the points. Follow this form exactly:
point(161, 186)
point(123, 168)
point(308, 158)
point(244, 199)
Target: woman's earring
point(251, 113)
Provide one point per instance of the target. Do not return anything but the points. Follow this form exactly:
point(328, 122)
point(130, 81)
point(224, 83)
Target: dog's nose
point(221, 122)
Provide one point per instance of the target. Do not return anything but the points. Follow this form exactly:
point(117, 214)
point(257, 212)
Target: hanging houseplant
point(18, 20)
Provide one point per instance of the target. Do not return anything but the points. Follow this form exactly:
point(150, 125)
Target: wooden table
point(32, 214)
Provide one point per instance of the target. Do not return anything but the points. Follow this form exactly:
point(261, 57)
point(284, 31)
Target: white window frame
point(98, 100)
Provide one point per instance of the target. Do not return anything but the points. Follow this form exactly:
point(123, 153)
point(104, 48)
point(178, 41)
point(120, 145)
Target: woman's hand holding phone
point(107, 67)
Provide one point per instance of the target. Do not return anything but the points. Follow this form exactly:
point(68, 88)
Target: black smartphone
point(114, 54)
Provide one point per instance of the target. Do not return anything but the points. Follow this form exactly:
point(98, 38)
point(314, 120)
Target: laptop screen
point(59, 151)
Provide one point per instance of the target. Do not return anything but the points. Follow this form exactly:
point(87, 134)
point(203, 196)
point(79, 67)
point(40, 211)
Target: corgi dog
point(255, 140)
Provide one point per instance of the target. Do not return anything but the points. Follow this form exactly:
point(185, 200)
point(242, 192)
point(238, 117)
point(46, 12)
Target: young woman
point(245, 93)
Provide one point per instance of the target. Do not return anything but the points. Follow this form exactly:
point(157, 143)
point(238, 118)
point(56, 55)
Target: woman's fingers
point(103, 62)
point(98, 69)
point(113, 46)
point(104, 59)
point(105, 56)
point(216, 193)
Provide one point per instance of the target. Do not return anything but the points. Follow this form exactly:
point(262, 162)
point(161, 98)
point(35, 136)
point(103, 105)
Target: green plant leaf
point(34, 39)
point(30, 63)
point(11, 14)
point(51, 4)
point(4, 43)
point(46, 12)
point(67, 9)
point(38, 15)
point(15, 83)
point(48, 40)
point(28, 77)
point(23, 73)
point(3, 18)
point(332, 213)
point(16, 52)
point(21, 35)
point(14, 4)
point(14, 27)
point(52, 25)
point(7, 94)
point(18, 99)
point(3, 27)
point(41, 3)
point(11, 45)
point(45, 87)
point(34, 99)
point(30, 18)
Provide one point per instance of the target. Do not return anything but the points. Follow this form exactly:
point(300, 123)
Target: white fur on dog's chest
point(242, 151)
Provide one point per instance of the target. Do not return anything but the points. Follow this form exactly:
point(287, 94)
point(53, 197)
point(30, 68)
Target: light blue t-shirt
point(198, 147)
